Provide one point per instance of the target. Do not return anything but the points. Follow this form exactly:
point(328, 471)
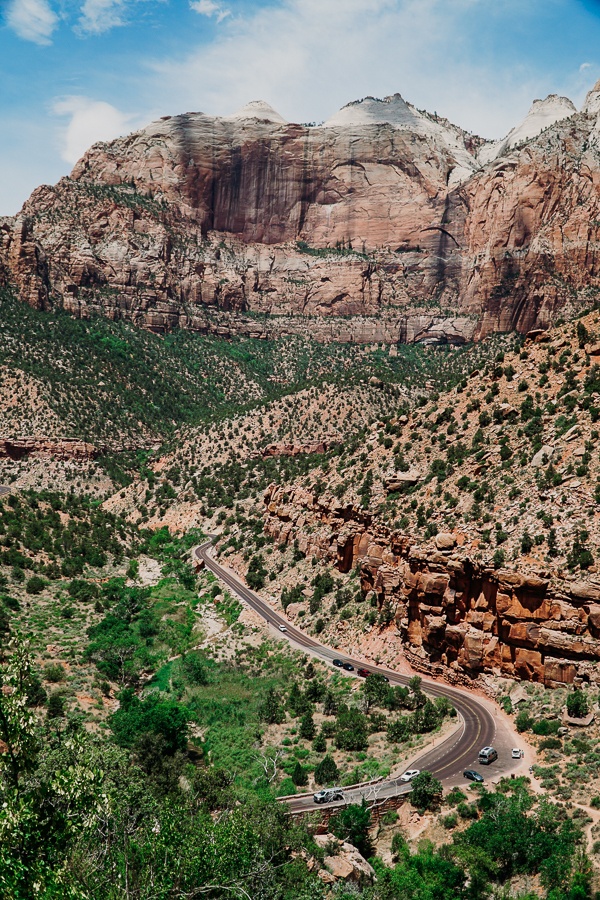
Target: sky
point(73, 72)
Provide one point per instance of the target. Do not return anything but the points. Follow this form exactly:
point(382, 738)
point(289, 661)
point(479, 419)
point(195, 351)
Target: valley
point(277, 398)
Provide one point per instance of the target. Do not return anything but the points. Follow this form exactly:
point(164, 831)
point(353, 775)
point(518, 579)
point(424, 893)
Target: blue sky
point(76, 71)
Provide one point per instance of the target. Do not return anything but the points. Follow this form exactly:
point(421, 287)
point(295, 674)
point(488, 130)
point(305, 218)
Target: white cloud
point(98, 16)
point(585, 66)
point(32, 20)
point(90, 121)
point(210, 8)
point(309, 57)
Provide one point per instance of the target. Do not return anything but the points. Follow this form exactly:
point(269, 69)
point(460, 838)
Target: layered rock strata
point(450, 613)
point(18, 448)
point(384, 224)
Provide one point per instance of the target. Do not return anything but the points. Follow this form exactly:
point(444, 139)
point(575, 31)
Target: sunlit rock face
point(385, 223)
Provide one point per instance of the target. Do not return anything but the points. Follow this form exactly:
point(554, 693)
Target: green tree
point(35, 585)
point(426, 791)
point(523, 721)
point(376, 690)
point(319, 744)
point(256, 573)
point(164, 717)
point(17, 722)
point(577, 704)
point(271, 709)
point(56, 705)
point(352, 824)
point(194, 667)
point(307, 729)
point(351, 729)
point(326, 772)
point(299, 775)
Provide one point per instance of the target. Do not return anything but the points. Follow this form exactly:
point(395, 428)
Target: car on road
point(378, 675)
point(338, 663)
point(409, 775)
point(472, 775)
point(516, 753)
point(363, 672)
point(348, 667)
point(283, 627)
point(328, 795)
point(487, 755)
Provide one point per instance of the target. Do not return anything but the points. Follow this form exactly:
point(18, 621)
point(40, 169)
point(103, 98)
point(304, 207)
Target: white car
point(283, 627)
point(410, 774)
point(516, 753)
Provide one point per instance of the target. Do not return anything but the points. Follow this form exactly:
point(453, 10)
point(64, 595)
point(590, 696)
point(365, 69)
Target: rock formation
point(453, 615)
point(384, 224)
point(17, 448)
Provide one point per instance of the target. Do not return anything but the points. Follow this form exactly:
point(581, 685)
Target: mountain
point(386, 223)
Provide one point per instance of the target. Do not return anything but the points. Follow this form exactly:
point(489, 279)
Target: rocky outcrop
point(18, 448)
point(384, 224)
point(272, 450)
point(448, 611)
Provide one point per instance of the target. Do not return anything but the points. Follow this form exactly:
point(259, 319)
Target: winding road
point(480, 723)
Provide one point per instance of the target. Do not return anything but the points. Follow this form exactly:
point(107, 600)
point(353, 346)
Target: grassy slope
point(110, 382)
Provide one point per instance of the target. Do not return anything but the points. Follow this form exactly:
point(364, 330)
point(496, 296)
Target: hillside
point(466, 520)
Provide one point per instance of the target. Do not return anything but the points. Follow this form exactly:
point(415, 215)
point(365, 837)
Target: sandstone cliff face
point(451, 614)
point(405, 231)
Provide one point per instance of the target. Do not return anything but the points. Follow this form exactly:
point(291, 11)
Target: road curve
point(446, 761)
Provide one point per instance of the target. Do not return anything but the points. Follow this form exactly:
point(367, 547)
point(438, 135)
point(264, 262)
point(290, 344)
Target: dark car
point(348, 667)
point(379, 675)
point(472, 775)
point(338, 663)
point(363, 672)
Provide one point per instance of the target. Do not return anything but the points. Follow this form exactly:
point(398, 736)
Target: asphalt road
point(447, 761)
point(4, 490)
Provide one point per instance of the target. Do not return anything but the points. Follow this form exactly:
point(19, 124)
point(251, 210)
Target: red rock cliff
point(383, 224)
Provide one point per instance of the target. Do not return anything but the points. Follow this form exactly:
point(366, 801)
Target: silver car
point(328, 795)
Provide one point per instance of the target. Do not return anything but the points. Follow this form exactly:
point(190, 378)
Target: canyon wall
point(450, 615)
point(384, 224)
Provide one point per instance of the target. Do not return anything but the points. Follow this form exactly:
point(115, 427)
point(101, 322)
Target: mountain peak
point(592, 101)
point(392, 110)
point(542, 114)
point(259, 109)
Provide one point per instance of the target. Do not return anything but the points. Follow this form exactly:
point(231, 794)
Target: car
point(363, 672)
point(328, 795)
point(348, 667)
point(472, 775)
point(516, 753)
point(487, 755)
point(283, 627)
point(338, 663)
point(409, 775)
point(379, 675)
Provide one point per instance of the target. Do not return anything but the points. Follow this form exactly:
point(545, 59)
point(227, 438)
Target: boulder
point(543, 456)
point(445, 541)
point(399, 480)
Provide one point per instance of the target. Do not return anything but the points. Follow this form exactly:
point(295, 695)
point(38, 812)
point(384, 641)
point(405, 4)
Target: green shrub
point(56, 705)
point(35, 585)
point(326, 772)
point(194, 668)
point(135, 717)
point(54, 673)
point(523, 721)
point(319, 744)
point(577, 704)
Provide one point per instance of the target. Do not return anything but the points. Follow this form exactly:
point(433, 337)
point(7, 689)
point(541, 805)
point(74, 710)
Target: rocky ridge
point(384, 224)
point(472, 522)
